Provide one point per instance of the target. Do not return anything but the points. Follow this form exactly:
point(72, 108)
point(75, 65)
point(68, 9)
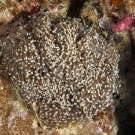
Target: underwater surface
point(67, 67)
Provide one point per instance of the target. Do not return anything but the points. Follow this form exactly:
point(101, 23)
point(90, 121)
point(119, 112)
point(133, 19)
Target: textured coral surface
point(15, 120)
point(64, 71)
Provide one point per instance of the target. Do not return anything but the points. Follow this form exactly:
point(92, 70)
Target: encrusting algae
point(65, 72)
point(11, 119)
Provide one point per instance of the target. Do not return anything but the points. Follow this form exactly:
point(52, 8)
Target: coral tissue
point(67, 72)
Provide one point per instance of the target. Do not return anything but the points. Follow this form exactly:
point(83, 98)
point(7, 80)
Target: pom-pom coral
point(123, 24)
point(66, 72)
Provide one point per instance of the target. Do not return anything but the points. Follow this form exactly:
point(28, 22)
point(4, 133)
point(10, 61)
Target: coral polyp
point(66, 71)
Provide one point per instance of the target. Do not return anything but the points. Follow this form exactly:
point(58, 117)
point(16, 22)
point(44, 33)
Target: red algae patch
point(12, 121)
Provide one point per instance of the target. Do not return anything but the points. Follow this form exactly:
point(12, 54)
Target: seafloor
point(113, 20)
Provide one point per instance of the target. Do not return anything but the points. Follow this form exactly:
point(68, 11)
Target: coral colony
point(67, 72)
